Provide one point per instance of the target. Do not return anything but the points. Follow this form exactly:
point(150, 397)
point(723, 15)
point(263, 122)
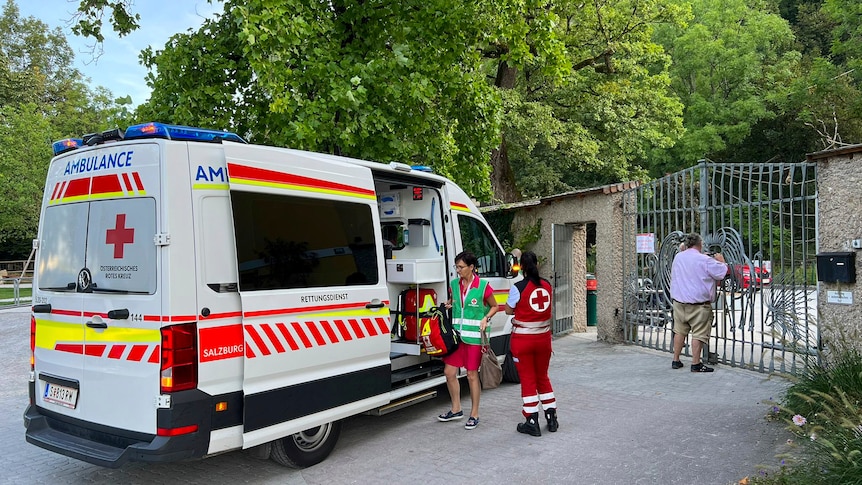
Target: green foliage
point(597, 124)
point(727, 63)
point(376, 80)
point(88, 20)
point(42, 99)
point(823, 409)
point(529, 235)
point(502, 223)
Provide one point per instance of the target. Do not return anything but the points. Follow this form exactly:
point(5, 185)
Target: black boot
point(551, 416)
point(531, 426)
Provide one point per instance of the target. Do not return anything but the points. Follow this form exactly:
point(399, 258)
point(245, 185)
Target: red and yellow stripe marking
point(245, 175)
point(131, 344)
point(98, 187)
point(264, 339)
point(501, 297)
point(312, 326)
point(457, 206)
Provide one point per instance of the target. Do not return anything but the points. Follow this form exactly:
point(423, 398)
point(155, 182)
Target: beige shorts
point(694, 319)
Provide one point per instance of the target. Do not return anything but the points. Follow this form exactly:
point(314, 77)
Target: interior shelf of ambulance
point(413, 241)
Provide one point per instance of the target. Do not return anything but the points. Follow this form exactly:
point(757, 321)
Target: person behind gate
point(473, 304)
point(530, 303)
point(692, 286)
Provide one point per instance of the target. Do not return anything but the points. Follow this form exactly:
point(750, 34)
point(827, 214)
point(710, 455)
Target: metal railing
point(17, 299)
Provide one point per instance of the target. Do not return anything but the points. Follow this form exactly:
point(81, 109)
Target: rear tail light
point(176, 431)
point(179, 369)
point(32, 342)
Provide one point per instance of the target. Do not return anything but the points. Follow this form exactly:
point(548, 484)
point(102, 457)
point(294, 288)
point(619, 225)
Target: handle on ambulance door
point(43, 308)
point(122, 314)
point(372, 305)
point(93, 324)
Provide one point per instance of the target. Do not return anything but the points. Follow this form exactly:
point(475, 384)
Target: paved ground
point(625, 418)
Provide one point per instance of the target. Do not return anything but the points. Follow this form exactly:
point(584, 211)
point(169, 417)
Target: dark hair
point(530, 267)
point(691, 240)
point(468, 258)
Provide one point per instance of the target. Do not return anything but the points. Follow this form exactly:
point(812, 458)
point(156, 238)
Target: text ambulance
point(195, 294)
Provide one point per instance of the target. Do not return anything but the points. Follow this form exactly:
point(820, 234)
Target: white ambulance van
point(195, 294)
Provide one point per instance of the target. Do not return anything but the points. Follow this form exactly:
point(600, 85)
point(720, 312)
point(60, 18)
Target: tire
point(306, 448)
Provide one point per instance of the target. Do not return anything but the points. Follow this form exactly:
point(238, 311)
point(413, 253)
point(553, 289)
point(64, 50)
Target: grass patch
point(9, 292)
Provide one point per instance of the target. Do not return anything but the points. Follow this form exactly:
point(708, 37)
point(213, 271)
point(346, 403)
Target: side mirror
point(513, 263)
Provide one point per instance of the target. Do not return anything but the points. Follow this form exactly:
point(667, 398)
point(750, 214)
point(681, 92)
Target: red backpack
point(436, 333)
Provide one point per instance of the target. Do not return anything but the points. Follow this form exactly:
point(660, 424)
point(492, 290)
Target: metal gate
point(562, 279)
point(763, 218)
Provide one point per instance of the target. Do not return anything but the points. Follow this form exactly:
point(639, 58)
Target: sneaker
point(701, 368)
point(471, 423)
point(450, 416)
point(676, 364)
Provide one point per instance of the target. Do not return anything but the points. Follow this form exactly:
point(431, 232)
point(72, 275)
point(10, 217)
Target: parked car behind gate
point(743, 275)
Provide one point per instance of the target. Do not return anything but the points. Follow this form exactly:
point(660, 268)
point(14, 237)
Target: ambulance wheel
point(306, 448)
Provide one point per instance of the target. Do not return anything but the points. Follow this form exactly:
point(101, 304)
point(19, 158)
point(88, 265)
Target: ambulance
point(195, 294)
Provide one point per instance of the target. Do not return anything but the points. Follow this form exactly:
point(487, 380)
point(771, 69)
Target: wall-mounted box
point(415, 270)
point(420, 230)
point(837, 267)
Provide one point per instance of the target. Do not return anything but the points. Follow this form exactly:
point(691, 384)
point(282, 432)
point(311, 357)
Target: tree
point(598, 123)
point(727, 63)
point(405, 81)
point(377, 80)
point(42, 99)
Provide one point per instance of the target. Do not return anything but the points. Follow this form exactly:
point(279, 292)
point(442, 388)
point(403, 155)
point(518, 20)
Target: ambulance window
point(296, 242)
point(111, 238)
point(63, 245)
point(476, 239)
point(121, 254)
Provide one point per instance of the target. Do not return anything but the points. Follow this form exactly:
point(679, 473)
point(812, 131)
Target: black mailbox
point(836, 267)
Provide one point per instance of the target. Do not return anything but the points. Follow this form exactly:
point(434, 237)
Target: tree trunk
point(502, 176)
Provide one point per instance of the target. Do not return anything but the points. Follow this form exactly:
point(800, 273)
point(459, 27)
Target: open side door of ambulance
point(314, 299)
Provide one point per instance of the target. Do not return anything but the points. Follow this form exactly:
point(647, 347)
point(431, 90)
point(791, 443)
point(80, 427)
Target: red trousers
point(532, 356)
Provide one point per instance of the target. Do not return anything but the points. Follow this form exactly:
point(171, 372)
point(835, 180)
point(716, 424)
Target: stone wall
point(839, 198)
point(603, 207)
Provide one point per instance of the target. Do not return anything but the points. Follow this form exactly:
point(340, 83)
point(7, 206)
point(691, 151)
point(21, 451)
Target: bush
point(823, 409)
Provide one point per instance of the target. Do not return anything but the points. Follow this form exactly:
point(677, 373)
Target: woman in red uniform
point(530, 302)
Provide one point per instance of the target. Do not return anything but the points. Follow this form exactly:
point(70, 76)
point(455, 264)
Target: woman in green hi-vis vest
point(473, 304)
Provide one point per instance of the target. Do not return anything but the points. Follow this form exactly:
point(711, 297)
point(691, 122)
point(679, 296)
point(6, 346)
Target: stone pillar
point(839, 224)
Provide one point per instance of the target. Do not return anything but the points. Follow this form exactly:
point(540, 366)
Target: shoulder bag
point(490, 372)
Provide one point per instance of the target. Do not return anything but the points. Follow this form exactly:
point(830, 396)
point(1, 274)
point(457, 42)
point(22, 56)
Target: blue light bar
point(422, 168)
point(63, 146)
point(177, 132)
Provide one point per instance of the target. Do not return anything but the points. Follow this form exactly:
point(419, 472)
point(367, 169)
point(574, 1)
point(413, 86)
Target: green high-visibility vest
point(467, 317)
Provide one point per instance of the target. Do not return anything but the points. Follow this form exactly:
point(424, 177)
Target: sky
point(118, 68)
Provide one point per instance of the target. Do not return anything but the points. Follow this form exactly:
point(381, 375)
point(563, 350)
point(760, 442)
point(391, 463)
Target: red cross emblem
point(120, 235)
point(540, 299)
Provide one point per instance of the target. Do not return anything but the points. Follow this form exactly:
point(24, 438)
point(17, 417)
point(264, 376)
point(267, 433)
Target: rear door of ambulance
point(97, 305)
point(315, 307)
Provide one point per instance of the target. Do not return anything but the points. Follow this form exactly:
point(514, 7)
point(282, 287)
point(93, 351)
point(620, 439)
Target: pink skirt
point(466, 355)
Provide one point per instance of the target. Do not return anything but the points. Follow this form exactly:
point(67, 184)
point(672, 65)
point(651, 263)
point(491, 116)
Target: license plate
point(62, 395)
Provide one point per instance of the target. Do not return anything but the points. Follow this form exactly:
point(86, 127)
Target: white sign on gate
point(646, 243)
